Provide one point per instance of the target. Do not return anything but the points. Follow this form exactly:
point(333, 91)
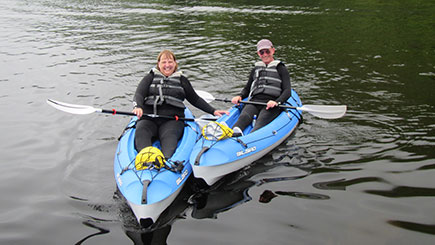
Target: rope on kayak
point(193, 128)
point(126, 129)
point(175, 166)
point(139, 173)
point(273, 133)
point(299, 114)
point(206, 148)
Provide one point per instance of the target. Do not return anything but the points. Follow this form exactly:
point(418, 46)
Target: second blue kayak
point(211, 160)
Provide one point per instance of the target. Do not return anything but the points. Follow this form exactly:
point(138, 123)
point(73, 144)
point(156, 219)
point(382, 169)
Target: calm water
point(367, 178)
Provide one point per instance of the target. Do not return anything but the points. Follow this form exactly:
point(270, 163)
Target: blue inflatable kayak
point(149, 192)
point(211, 160)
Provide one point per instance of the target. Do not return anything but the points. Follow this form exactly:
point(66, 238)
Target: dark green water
point(367, 178)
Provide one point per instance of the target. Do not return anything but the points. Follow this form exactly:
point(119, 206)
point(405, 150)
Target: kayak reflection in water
point(228, 193)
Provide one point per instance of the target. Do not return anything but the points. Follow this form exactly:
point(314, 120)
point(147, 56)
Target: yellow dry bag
point(149, 156)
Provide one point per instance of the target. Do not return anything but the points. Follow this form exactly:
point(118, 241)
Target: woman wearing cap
point(269, 82)
point(162, 92)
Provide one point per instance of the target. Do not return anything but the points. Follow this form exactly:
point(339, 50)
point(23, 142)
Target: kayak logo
point(182, 177)
point(246, 151)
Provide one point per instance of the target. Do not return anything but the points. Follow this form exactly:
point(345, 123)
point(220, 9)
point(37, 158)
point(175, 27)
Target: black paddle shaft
point(115, 112)
point(258, 103)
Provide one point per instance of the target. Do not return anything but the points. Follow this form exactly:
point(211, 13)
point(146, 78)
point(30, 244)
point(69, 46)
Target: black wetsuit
point(263, 116)
point(168, 131)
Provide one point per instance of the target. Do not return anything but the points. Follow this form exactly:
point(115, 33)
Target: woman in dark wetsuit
point(269, 82)
point(162, 92)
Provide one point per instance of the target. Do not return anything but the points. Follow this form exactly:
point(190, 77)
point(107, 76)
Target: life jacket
point(266, 79)
point(165, 90)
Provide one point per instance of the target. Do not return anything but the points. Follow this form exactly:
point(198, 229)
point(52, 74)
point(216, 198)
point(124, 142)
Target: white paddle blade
point(205, 95)
point(325, 111)
point(71, 108)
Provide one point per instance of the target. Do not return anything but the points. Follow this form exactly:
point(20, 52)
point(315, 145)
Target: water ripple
point(413, 226)
point(342, 184)
point(404, 191)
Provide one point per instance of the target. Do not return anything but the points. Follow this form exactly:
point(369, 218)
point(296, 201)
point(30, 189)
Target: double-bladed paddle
point(321, 111)
point(85, 109)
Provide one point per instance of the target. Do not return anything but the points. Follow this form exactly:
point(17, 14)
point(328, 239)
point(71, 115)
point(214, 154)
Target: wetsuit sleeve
point(285, 84)
point(194, 98)
point(142, 90)
point(245, 91)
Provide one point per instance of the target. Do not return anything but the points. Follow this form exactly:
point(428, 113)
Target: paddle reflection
point(102, 231)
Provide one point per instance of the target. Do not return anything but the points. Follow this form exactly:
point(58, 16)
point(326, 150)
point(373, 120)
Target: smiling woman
point(166, 63)
point(162, 91)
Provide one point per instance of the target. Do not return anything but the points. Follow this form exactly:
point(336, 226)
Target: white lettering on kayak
point(182, 177)
point(246, 151)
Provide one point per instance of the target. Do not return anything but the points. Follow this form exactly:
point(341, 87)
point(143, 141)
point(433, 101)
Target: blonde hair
point(168, 54)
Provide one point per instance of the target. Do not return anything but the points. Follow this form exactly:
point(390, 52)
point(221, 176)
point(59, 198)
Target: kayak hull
point(211, 174)
point(147, 215)
point(149, 192)
point(213, 160)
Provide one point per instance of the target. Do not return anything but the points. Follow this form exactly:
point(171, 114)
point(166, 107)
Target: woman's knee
point(171, 129)
point(143, 126)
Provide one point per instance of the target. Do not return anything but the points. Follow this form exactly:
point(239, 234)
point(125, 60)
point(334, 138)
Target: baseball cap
point(264, 44)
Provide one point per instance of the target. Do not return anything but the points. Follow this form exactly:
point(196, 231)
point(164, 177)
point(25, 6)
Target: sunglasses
point(267, 51)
